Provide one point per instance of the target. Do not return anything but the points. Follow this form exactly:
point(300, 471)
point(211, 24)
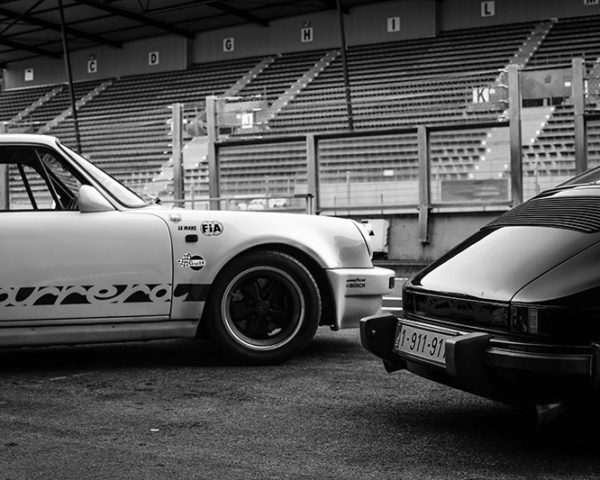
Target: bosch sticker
point(195, 262)
point(356, 282)
point(211, 228)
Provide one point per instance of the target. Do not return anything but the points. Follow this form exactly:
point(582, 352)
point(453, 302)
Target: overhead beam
point(240, 13)
point(53, 26)
point(15, 20)
point(21, 46)
point(138, 18)
point(331, 4)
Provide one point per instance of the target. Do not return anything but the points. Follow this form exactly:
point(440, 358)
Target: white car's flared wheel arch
point(264, 307)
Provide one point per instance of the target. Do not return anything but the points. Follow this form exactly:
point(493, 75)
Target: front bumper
point(480, 363)
point(358, 292)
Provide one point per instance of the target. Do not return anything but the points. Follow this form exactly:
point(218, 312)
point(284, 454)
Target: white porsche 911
point(86, 260)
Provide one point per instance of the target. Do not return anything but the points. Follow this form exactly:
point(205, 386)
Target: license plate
point(425, 344)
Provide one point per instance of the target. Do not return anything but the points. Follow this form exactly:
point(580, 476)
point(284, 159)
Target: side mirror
point(90, 200)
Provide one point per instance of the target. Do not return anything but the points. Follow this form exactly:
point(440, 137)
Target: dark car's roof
point(590, 176)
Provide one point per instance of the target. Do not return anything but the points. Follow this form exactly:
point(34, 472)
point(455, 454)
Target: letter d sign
point(153, 58)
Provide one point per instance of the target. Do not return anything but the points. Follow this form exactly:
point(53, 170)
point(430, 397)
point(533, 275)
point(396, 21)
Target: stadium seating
point(125, 123)
point(569, 38)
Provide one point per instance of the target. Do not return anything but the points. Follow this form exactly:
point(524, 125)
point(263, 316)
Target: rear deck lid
point(519, 246)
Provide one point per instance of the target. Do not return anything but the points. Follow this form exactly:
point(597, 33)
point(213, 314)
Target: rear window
point(573, 213)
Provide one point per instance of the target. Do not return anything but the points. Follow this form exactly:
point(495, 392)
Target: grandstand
point(124, 121)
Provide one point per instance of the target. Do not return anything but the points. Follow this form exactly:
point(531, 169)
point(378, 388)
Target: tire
point(264, 307)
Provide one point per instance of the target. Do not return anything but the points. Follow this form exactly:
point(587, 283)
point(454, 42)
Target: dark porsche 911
point(513, 312)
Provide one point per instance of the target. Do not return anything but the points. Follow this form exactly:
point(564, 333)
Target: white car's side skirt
point(99, 333)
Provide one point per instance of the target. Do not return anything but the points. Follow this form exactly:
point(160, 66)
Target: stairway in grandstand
point(568, 38)
point(552, 155)
point(19, 103)
point(126, 129)
point(551, 158)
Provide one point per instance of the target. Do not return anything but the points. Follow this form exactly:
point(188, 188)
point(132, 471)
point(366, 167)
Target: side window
point(34, 178)
point(28, 190)
point(3, 187)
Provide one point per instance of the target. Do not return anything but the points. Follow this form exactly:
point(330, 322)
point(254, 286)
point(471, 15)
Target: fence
point(221, 154)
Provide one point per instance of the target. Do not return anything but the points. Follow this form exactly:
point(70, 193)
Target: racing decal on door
point(195, 262)
point(191, 292)
point(89, 295)
point(211, 228)
point(83, 295)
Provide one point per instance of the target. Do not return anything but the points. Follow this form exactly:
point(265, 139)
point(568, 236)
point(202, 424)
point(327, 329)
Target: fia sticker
point(195, 262)
point(211, 228)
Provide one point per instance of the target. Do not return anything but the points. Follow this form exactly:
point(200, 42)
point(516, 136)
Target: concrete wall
point(446, 231)
point(363, 25)
point(456, 14)
point(133, 58)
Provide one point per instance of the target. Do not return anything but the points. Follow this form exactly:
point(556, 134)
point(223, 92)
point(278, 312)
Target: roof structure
point(32, 28)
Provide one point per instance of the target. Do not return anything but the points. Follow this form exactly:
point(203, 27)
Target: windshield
point(120, 192)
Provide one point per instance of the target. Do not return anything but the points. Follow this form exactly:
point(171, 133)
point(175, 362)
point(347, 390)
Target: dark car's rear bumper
point(479, 363)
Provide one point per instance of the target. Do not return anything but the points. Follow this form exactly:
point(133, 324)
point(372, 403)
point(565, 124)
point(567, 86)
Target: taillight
point(524, 319)
point(564, 324)
point(408, 301)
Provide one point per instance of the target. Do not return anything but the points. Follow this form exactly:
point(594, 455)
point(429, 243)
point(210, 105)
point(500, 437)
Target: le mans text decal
point(83, 295)
point(195, 262)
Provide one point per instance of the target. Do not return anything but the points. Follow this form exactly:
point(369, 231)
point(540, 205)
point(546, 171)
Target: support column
point(516, 149)
point(213, 161)
point(312, 167)
point(67, 57)
point(347, 93)
point(4, 196)
point(578, 92)
point(178, 191)
point(424, 183)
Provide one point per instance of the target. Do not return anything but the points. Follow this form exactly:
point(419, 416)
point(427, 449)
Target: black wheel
point(264, 307)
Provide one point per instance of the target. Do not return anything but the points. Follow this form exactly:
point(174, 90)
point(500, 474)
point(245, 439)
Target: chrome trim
point(574, 364)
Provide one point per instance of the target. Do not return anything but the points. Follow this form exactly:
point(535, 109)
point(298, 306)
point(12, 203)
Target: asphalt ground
point(178, 410)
